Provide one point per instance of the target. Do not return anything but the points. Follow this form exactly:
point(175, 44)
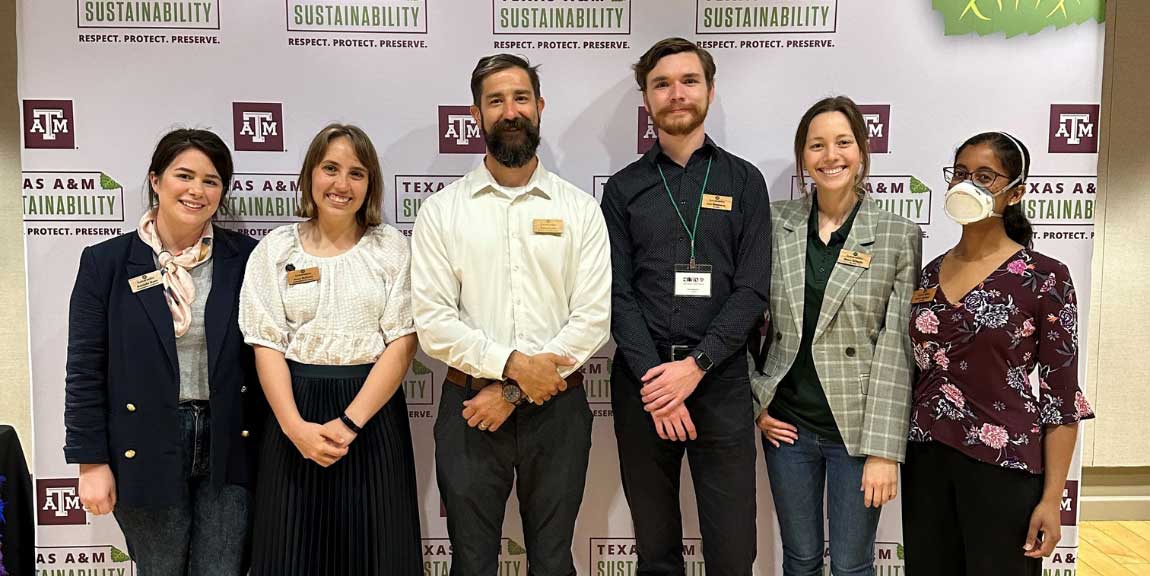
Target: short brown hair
point(849, 109)
point(371, 213)
point(489, 65)
point(667, 47)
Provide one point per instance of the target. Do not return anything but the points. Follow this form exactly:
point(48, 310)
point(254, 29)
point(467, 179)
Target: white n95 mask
point(967, 202)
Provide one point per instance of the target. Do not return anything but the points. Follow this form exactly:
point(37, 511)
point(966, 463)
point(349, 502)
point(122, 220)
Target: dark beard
point(680, 128)
point(512, 149)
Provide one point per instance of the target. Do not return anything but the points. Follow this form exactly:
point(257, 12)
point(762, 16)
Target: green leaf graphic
point(1014, 17)
point(917, 186)
point(514, 548)
point(107, 183)
point(419, 369)
point(898, 552)
point(119, 555)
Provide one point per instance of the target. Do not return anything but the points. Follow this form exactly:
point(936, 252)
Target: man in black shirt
point(690, 232)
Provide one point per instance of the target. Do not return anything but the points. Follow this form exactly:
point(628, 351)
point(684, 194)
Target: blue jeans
point(798, 474)
point(206, 533)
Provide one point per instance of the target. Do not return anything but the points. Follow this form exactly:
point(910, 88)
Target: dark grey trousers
point(544, 449)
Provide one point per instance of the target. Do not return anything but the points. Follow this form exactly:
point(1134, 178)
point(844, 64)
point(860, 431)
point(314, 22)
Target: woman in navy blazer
point(162, 399)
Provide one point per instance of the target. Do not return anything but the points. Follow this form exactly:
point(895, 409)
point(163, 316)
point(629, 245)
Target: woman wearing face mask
point(327, 305)
point(833, 396)
point(989, 453)
point(161, 396)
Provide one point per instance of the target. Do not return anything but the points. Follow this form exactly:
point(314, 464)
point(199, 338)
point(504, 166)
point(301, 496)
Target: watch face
point(512, 393)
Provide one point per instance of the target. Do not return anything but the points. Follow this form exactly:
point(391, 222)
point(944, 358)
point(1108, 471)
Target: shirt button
point(129, 454)
point(243, 389)
point(131, 407)
point(850, 351)
point(676, 309)
point(778, 336)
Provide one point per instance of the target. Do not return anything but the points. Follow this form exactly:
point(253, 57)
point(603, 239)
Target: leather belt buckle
point(680, 351)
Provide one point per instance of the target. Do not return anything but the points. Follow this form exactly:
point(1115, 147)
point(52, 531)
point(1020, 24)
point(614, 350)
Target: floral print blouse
point(974, 357)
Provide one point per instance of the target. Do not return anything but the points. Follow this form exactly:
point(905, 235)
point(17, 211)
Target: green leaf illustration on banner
point(119, 555)
point(419, 369)
point(514, 548)
point(898, 552)
point(1014, 17)
point(107, 183)
point(918, 187)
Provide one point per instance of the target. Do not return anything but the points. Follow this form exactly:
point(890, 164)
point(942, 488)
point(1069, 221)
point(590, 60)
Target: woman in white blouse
point(327, 305)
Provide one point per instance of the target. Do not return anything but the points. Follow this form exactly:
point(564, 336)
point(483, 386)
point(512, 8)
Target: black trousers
point(962, 517)
point(722, 462)
point(546, 447)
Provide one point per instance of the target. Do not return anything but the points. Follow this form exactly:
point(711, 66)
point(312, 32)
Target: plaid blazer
point(861, 347)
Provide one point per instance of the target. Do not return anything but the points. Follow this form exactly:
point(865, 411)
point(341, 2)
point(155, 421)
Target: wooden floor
point(1114, 549)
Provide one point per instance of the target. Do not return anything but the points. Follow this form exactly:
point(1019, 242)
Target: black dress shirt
point(648, 240)
point(800, 398)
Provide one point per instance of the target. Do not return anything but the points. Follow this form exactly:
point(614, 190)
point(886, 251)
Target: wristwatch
point(702, 360)
point(512, 393)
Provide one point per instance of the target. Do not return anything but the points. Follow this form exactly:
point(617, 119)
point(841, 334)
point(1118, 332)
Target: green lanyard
point(698, 209)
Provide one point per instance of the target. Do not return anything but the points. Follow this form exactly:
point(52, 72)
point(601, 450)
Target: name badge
point(552, 227)
point(715, 202)
point(856, 259)
point(145, 281)
point(923, 296)
point(693, 282)
point(303, 276)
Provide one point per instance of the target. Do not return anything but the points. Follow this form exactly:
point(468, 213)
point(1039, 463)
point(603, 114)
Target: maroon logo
point(49, 124)
point(1073, 128)
point(258, 126)
point(877, 119)
point(1070, 503)
point(647, 133)
point(58, 502)
point(458, 131)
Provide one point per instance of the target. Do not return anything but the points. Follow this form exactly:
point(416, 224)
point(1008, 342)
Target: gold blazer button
point(129, 454)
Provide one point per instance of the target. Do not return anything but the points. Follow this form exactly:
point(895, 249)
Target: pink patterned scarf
point(179, 289)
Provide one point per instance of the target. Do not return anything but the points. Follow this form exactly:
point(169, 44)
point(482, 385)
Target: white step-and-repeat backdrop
point(101, 81)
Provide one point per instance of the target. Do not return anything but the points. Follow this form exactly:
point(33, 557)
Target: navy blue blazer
point(123, 379)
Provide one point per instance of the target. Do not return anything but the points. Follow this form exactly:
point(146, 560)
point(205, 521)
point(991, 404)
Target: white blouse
point(361, 302)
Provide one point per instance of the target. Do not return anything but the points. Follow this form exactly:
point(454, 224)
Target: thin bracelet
point(349, 423)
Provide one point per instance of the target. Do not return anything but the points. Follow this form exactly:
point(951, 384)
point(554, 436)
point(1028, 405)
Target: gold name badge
point(553, 227)
point(145, 281)
point(923, 296)
point(856, 259)
point(303, 276)
point(715, 202)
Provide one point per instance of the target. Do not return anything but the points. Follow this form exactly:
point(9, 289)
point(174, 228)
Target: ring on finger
point(483, 426)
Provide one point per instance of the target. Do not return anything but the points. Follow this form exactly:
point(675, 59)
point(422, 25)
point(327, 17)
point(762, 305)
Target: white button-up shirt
point(485, 283)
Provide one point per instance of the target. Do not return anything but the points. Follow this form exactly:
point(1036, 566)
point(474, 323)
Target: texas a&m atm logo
point(49, 124)
point(458, 131)
point(58, 502)
point(258, 126)
point(877, 119)
point(1073, 128)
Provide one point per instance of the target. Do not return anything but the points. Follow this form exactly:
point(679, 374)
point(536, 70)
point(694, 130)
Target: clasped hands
point(537, 376)
point(665, 388)
point(323, 444)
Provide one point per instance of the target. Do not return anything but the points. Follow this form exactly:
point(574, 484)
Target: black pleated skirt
point(358, 517)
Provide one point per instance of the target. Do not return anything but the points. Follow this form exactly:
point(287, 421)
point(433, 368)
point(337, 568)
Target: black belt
point(673, 352)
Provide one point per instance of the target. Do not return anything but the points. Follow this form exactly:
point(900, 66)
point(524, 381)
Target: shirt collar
point(484, 182)
point(844, 230)
point(656, 151)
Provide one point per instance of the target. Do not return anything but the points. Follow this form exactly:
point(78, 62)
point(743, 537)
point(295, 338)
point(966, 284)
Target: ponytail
point(1018, 227)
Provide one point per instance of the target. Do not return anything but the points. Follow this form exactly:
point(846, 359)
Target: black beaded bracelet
point(350, 424)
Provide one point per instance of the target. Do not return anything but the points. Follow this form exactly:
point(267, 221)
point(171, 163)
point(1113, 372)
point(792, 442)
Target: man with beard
point(690, 232)
point(511, 285)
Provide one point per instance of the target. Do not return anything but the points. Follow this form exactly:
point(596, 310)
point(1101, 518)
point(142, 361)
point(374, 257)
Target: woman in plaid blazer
point(833, 392)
